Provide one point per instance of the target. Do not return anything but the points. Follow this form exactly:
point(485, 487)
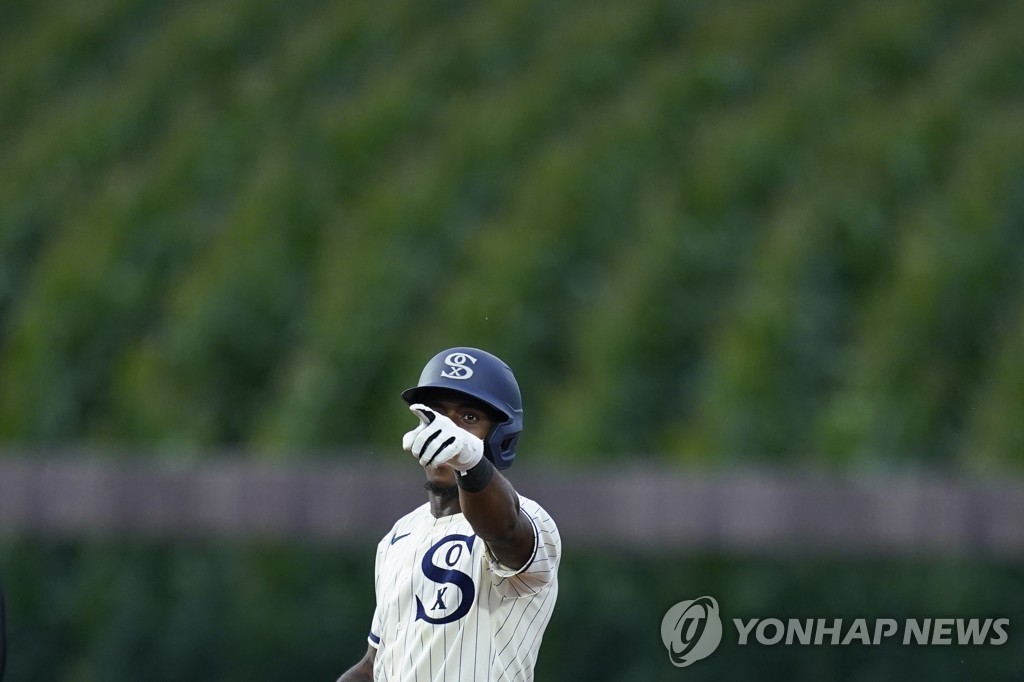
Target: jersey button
point(399, 626)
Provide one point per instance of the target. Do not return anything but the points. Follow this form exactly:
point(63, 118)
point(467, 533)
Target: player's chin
point(440, 475)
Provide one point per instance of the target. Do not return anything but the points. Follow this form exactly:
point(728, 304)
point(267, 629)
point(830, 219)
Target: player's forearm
point(493, 511)
point(363, 670)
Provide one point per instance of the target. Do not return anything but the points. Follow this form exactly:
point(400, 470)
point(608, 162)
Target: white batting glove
point(437, 440)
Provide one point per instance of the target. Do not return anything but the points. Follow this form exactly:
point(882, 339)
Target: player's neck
point(444, 501)
point(442, 507)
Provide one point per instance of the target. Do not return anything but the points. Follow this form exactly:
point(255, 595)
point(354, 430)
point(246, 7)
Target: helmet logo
point(459, 368)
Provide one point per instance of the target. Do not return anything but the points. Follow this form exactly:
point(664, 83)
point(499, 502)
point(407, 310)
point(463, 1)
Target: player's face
point(467, 414)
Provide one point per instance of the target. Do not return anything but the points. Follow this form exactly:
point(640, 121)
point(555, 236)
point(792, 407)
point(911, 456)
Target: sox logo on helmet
point(457, 364)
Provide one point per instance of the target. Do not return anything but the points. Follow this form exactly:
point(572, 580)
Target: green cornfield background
point(703, 234)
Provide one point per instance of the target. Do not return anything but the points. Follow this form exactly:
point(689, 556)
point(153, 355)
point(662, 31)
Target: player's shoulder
point(538, 513)
point(406, 523)
point(414, 517)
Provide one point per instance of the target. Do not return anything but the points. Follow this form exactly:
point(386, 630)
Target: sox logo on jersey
point(446, 577)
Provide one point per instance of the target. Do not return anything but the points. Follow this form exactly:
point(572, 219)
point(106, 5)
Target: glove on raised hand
point(437, 440)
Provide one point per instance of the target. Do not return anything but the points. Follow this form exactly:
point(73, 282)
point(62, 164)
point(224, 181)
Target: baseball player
point(467, 582)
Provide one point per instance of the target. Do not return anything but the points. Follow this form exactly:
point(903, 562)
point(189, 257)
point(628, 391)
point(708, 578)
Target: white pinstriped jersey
point(448, 611)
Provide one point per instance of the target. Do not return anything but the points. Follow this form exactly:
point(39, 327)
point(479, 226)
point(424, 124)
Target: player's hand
point(437, 440)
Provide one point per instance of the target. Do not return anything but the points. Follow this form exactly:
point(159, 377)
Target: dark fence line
point(760, 512)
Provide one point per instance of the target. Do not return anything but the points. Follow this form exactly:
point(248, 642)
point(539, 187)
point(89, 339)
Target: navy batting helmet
point(478, 374)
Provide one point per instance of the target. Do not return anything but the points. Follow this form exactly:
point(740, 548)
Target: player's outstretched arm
point(363, 670)
point(496, 517)
point(486, 497)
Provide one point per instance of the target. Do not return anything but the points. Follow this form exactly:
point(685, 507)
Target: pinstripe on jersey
point(447, 611)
